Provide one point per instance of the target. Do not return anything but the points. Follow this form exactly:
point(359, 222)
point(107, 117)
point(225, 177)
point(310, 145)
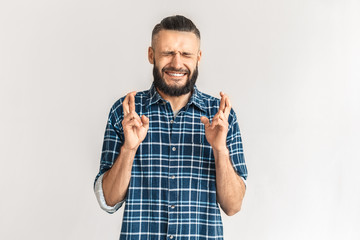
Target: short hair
point(176, 23)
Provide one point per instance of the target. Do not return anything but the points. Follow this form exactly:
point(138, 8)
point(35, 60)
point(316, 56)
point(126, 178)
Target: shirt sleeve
point(113, 139)
point(243, 179)
point(234, 144)
point(101, 199)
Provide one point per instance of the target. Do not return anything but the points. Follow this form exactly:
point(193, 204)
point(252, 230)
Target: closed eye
point(168, 53)
point(186, 54)
point(172, 53)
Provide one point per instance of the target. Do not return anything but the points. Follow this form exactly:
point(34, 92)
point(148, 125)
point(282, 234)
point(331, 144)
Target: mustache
point(172, 69)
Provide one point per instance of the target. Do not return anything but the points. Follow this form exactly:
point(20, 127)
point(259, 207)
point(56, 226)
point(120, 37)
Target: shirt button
point(174, 149)
point(171, 121)
point(172, 177)
point(172, 206)
point(171, 236)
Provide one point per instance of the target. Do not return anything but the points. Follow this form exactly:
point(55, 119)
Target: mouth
point(176, 74)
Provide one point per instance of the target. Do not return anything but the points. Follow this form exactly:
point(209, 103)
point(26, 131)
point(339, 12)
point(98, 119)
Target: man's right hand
point(135, 128)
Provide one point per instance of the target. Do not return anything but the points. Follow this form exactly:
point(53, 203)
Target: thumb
point(145, 121)
point(205, 121)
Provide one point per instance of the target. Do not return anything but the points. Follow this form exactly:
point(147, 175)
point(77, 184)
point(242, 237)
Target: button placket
point(173, 171)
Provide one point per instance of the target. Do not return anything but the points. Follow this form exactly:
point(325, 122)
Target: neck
point(176, 102)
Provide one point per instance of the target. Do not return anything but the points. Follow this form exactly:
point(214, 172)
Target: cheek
point(190, 63)
point(160, 64)
point(191, 66)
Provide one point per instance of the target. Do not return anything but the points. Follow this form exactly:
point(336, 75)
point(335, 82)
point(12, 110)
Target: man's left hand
point(217, 130)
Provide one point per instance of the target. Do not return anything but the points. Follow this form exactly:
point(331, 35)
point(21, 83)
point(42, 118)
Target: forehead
point(176, 40)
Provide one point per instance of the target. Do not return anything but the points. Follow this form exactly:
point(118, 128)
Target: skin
point(230, 188)
point(116, 180)
point(180, 51)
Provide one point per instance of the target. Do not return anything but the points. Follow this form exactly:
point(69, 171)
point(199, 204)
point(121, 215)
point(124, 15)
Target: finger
point(216, 119)
point(219, 121)
point(131, 117)
point(138, 121)
point(132, 102)
point(145, 121)
point(222, 102)
point(205, 121)
point(135, 121)
point(228, 107)
point(129, 124)
point(219, 118)
point(223, 117)
point(125, 105)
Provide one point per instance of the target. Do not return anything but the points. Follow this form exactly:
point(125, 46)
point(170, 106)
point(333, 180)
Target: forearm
point(230, 188)
point(116, 180)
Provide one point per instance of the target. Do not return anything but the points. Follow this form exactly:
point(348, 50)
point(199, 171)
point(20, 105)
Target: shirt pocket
point(201, 168)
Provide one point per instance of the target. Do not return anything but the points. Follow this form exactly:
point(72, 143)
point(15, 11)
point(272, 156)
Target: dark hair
point(177, 23)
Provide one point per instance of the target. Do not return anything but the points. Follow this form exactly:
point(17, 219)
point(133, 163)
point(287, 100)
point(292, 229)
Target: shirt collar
point(154, 96)
point(196, 98)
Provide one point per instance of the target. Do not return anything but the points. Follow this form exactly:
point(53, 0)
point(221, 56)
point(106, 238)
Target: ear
point(151, 55)
point(199, 56)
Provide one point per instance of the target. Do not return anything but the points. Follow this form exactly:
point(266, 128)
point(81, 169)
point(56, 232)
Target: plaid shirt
point(172, 191)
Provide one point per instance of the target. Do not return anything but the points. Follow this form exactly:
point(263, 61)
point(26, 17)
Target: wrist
point(125, 149)
point(221, 150)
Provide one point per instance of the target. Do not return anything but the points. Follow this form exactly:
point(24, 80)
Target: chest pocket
point(197, 157)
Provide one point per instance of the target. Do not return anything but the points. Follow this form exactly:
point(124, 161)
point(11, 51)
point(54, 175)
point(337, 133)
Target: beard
point(174, 91)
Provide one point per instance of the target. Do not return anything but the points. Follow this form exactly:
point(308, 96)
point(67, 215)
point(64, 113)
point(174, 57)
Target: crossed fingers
point(129, 103)
point(130, 116)
point(224, 110)
point(221, 117)
point(225, 107)
point(216, 131)
point(135, 128)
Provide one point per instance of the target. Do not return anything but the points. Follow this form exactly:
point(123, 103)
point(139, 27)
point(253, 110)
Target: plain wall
point(290, 67)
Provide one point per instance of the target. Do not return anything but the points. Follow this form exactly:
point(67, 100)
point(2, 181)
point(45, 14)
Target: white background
point(291, 68)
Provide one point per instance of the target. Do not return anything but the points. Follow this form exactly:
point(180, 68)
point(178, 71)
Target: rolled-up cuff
point(101, 199)
point(244, 181)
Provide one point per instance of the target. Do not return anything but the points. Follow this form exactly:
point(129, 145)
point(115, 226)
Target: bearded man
point(172, 154)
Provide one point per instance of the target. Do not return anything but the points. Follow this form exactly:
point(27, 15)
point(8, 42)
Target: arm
point(116, 181)
point(230, 188)
point(101, 199)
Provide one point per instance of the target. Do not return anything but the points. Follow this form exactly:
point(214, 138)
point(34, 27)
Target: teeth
point(177, 74)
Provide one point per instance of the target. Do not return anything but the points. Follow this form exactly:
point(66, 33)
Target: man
point(172, 153)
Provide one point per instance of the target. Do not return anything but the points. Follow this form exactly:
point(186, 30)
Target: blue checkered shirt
point(172, 191)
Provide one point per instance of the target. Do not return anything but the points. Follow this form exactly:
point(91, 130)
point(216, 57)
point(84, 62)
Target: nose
point(176, 60)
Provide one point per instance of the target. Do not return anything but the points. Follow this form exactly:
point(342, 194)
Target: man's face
point(175, 56)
